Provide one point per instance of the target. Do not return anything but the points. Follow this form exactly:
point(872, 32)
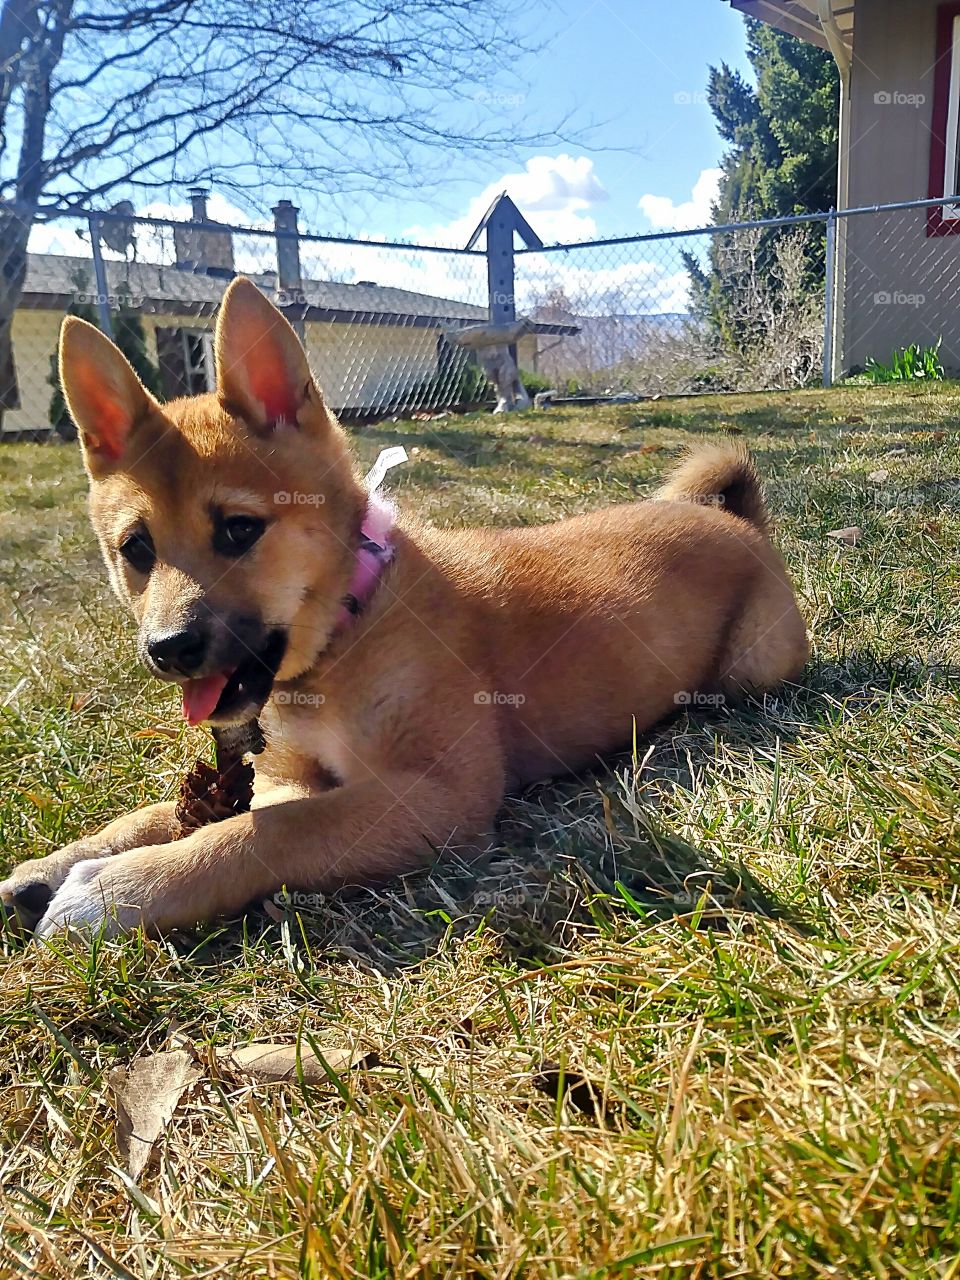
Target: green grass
point(745, 933)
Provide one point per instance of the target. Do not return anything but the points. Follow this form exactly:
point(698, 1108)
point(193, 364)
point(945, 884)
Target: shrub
point(534, 383)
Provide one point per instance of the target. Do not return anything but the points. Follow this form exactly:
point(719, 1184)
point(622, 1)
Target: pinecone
point(211, 793)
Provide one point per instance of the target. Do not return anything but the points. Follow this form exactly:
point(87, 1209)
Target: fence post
point(289, 274)
point(501, 296)
point(500, 222)
point(100, 277)
point(829, 300)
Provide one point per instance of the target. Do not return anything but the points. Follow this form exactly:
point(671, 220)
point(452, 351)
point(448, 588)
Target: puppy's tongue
point(201, 696)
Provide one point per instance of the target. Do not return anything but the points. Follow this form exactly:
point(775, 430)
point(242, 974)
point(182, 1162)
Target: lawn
point(696, 1015)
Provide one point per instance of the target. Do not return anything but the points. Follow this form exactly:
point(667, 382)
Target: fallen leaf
point(274, 1063)
point(642, 450)
point(850, 537)
point(146, 1095)
point(878, 477)
point(42, 802)
point(273, 911)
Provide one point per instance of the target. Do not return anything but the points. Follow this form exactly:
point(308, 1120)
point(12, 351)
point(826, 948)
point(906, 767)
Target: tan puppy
point(233, 525)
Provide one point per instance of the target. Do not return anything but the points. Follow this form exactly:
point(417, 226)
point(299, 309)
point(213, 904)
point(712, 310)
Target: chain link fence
point(731, 310)
point(747, 307)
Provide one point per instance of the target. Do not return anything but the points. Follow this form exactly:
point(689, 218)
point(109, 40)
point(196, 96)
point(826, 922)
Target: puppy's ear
point(105, 397)
point(262, 371)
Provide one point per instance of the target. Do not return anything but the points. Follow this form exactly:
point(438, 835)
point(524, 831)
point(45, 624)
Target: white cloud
point(60, 237)
point(664, 215)
point(554, 193)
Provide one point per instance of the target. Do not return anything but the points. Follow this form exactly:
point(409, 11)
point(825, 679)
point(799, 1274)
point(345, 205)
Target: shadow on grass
point(580, 853)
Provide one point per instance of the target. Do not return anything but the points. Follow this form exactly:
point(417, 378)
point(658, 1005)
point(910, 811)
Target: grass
point(696, 1016)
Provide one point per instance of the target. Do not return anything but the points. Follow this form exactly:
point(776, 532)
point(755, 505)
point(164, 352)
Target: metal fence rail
point(775, 303)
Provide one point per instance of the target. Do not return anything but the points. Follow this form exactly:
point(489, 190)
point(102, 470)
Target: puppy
point(404, 676)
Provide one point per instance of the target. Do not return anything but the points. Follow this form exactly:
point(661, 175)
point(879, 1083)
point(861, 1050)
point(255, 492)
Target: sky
point(638, 69)
point(640, 152)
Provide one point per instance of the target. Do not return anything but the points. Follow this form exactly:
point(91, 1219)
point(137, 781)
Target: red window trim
point(937, 225)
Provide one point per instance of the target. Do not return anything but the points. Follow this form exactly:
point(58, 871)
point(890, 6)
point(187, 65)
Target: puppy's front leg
point(357, 833)
point(30, 885)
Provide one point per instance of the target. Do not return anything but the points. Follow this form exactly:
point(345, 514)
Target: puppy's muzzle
point(179, 653)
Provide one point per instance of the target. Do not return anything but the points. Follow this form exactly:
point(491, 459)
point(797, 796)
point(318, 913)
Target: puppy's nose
point(179, 653)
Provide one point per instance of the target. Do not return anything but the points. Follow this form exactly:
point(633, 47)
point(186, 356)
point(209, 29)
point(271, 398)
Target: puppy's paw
point(94, 896)
point(24, 900)
point(26, 891)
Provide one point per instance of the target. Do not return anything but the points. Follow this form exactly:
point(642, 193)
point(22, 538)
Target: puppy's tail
point(722, 475)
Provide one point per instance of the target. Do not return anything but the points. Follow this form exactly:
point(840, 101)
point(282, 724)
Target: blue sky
point(639, 69)
point(642, 153)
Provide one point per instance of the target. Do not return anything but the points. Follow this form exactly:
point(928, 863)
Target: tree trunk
point(14, 232)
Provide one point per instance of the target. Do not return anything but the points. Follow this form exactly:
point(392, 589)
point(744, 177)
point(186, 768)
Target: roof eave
point(786, 15)
point(329, 315)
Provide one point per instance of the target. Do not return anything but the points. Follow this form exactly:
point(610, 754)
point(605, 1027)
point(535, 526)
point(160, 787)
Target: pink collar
point(374, 553)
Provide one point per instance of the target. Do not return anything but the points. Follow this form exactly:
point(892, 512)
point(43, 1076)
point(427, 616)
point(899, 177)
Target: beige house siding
point(35, 335)
point(360, 365)
point(892, 273)
point(356, 365)
point(528, 349)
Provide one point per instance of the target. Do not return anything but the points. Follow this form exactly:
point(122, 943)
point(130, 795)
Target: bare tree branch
point(103, 97)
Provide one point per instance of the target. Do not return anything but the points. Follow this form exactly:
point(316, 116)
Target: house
point(897, 273)
point(374, 348)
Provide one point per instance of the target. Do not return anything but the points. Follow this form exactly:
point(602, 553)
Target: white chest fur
point(312, 733)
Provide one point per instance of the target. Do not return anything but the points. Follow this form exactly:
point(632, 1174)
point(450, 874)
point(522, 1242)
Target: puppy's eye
point(237, 534)
point(138, 551)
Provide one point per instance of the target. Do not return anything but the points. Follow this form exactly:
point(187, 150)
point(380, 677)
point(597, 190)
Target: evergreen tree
point(782, 160)
point(80, 306)
point(128, 334)
point(782, 134)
